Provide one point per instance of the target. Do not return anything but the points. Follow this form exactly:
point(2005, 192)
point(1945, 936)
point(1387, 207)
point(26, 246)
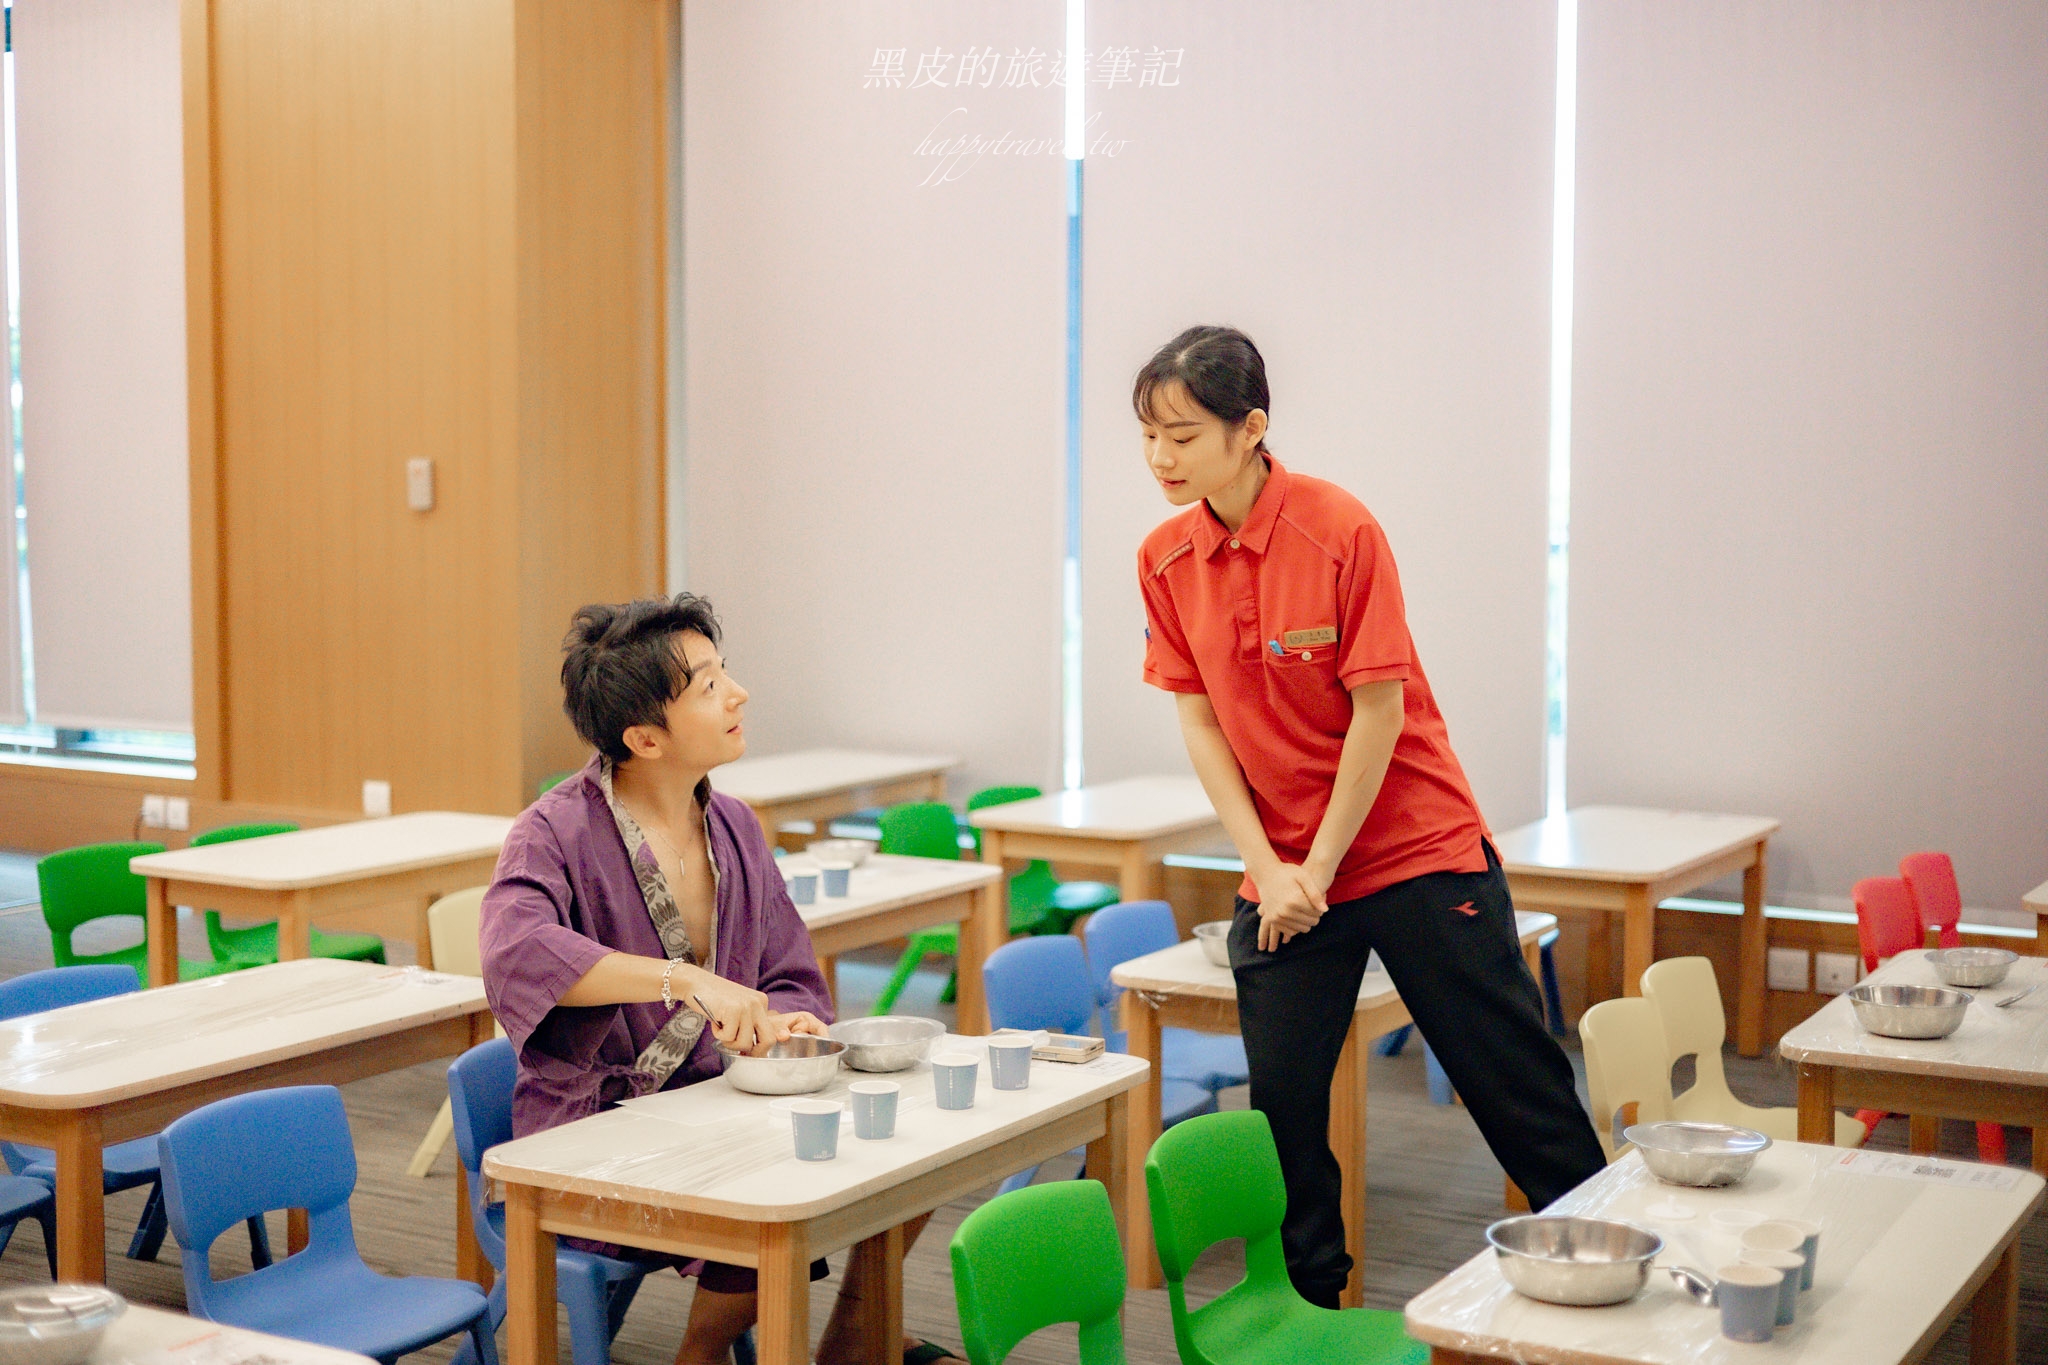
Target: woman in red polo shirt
point(1274, 614)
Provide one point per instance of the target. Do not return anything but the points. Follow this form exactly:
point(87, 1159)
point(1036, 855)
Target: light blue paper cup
point(953, 1079)
point(803, 887)
point(1787, 1234)
point(1009, 1062)
point(1789, 1264)
point(816, 1126)
point(874, 1109)
point(838, 877)
point(1748, 1297)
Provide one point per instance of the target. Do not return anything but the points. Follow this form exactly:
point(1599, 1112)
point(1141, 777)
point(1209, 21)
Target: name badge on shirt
point(1302, 639)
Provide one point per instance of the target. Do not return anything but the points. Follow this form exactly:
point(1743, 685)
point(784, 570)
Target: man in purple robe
point(637, 917)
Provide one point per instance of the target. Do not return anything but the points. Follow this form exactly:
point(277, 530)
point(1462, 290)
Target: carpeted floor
point(1433, 1188)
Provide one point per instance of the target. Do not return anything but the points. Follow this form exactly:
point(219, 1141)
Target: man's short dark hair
point(621, 667)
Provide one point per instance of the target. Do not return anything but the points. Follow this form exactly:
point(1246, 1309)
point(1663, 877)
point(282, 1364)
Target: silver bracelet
point(667, 975)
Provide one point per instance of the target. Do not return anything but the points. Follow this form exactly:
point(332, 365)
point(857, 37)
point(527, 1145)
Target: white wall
point(1809, 578)
point(1365, 190)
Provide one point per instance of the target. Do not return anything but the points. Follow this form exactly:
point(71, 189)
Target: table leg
point(529, 1281)
point(298, 1231)
point(1137, 874)
point(295, 926)
point(2040, 1146)
point(81, 1201)
point(162, 927)
point(986, 929)
point(422, 932)
point(1755, 944)
point(1143, 1034)
point(1638, 939)
point(1995, 1312)
point(1109, 1162)
point(1347, 1141)
point(469, 1257)
point(829, 965)
point(1923, 1134)
point(877, 1264)
point(1599, 956)
point(1816, 1103)
point(782, 1329)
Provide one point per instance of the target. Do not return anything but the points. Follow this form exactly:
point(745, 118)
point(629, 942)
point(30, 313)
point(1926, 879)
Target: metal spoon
point(2017, 995)
point(1694, 1284)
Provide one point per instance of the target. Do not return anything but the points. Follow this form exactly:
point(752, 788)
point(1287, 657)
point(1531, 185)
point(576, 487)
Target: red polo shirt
point(1276, 623)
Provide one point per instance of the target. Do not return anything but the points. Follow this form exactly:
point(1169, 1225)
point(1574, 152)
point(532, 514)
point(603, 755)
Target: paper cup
point(953, 1079)
point(874, 1109)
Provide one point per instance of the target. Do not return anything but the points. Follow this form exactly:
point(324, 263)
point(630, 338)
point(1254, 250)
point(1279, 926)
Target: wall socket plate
point(376, 797)
point(153, 813)
point(419, 485)
point(1785, 969)
point(1834, 973)
point(178, 812)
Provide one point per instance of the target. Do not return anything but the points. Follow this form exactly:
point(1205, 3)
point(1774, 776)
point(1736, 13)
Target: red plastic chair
point(1937, 903)
point(1886, 922)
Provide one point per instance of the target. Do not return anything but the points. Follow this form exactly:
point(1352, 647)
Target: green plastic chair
point(1044, 1254)
point(1035, 890)
point(256, 946)
point(1216, 1177)
point(552, 781)
point(79, 885)
point(928, 829)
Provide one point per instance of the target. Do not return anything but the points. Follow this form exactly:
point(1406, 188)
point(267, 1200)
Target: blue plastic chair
point(21, 1197)
point(597, 1290)
point(1214, 1061)
point(290, 1148)
point(1044, 982)
point(125, 1165)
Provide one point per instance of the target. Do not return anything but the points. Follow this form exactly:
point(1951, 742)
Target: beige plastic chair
point(1625, 1065)
point(1688, 1004)
point(452, 931)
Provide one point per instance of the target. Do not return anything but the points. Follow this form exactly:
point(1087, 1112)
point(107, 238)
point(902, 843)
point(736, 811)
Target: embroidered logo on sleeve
point(1301, 639)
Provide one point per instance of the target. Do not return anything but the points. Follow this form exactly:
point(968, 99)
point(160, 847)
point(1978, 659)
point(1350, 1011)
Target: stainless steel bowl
point(1214, 936)
point(1909, 1011)
point(55, 1324)
point(1575, 1261)
point(1972, 966)
point(853, 851)
point(1701, 1154)
point(794, 1066)
point(887, 1042)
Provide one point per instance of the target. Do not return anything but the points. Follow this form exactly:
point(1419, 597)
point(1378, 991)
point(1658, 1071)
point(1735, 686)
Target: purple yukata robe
point(564, 896)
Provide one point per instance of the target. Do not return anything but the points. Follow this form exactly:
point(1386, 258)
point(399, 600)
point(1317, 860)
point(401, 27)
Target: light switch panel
point(419, 485)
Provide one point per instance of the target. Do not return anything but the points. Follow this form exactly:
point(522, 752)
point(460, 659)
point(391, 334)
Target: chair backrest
point(1001, 796)
point(1209, 1178)
point(1931, 878)
point(1886, 922)
point(452, 931)
point(82, 884)
point(1117, 933)
point(1687, 998)
point(480, 1099)
point(921, 829)
point(228, 834)
point(236, 1158)
point(1627, 1062)
point(552, 781)
point(1040, 982)
point(56, 987)
point(1037, 1256)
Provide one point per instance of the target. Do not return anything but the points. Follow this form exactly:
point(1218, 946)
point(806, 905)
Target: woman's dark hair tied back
point(621, 668)
point(1218, 366)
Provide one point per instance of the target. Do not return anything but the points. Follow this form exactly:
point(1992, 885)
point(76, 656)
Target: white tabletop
point(334, 853)
point(820, 772)
point(2037, 899)
point(2008, 1046)
point(153, 1040)
point(1184, 969)
point(1900, 1239)
point(1626, 843)
point(141, 1333)
point(889, 881)
point(709, 1148)
point(1135, 808)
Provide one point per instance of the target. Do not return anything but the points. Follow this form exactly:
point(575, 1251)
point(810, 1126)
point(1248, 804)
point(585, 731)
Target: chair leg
point(898, 979)
point(484, 1339)
point(589, 1307)
point(429, 1150)
point(743, 1348)
point(621, 1298)
point(952, 991)
point(259, 1243)
point(1991, 1143)
point(1016, 1182)
point(1391, 1042)
point(149, 1232)
point(48, 1220)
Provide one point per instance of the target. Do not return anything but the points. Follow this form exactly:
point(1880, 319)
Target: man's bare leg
point(842, 1336)
point(716, 1322)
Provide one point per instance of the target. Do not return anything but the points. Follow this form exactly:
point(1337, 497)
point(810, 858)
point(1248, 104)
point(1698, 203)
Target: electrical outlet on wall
point(1834, 973)
point(1785, 969)
point(376, 798)
point(178, 812)
point(153, 815)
